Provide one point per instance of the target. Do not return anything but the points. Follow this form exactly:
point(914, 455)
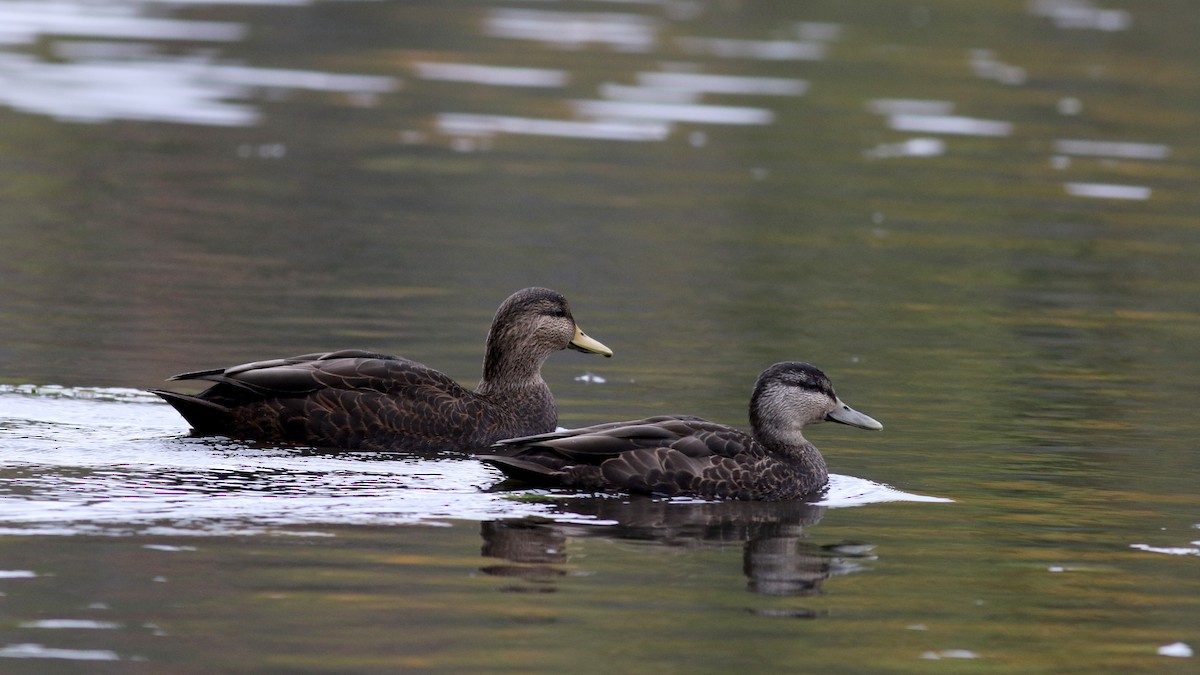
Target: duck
point(690, 456)
point(361, 400)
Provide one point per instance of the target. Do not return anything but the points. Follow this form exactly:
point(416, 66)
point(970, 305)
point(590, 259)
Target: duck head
point(791, 395)
point(530, 325)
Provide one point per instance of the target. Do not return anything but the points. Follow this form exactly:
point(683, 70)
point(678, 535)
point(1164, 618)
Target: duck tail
point(524, 470)
point(205, 417)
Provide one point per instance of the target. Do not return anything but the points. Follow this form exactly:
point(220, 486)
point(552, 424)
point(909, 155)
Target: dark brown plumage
point(360, 400)
point(692, 456)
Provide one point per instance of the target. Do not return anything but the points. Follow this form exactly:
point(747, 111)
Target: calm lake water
point(980, 219)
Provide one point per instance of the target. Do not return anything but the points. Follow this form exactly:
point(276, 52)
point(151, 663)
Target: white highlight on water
point(1108, 191)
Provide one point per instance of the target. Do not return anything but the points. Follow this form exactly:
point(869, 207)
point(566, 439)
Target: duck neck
point(785, 442)
point(511, 371)
point(791, 447)
point(506, 384)
point(522, 396)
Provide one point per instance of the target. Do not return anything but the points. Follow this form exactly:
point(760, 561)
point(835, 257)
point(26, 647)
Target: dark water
point(978, 218)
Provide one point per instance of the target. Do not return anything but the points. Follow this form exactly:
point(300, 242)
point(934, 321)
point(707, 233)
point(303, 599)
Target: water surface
point(978, 219)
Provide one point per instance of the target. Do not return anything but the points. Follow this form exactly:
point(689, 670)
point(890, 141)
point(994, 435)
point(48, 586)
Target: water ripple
point(115, 461)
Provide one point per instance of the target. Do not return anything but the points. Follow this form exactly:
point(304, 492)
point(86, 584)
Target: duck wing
point(349, 398)
point(659, 455)
point(348, 369)
point(692, 436)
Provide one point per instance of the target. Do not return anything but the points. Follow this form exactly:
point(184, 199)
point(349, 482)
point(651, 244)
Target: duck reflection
point(531, 550)
point(778, 557)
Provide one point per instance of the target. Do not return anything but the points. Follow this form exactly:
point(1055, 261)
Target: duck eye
point(558, 312)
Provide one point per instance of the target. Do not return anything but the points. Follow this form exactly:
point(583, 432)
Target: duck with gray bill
point(672, 455)
point(361, 400)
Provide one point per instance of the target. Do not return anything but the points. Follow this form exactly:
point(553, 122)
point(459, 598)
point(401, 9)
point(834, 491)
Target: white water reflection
point(462, 124)
point(626, 111)
point(96, 80)
point(111, 462)
point(99, 92)
point(1108, 191)
point(17, 574)
point(949, 654)
point(168, 90)
point(501, 76)
point(70, 624)
point(1169, 550)
point(642, 112)
point(914, 147)
point(846, 491)
point(574, 30)
point(766, 50)
point(985, 64)
point(25, 22)
point(38, 651)
point(1081, 15)
point(950, 124)
point(1180, 650)
point(1122, 150)
point(702, 83)
point(674, 112)
point(248, 3)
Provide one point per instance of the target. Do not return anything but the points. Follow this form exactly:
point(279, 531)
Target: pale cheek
point(554, 333)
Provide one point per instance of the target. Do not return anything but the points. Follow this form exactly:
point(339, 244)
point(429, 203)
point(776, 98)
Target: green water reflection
point(658, 594)
point(1031, 352)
